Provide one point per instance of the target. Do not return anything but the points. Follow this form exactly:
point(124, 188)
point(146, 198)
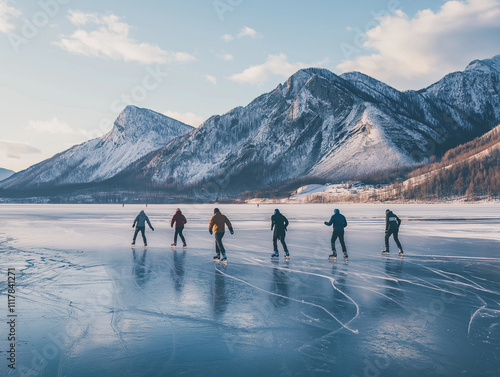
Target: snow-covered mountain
point(318, 124)
point(136, 132)
point(5, 173)
point(475, 92)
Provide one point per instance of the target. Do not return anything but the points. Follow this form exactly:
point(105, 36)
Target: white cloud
point(111, 39)
point(16, 150)
point(274, 65)
point(52, 126)
point(211, 79)
point(183, 57)
point(6, 12)
point(227, 57)
point(248, 32)
point(187, 118)
point(244, 32)
point(411, 53)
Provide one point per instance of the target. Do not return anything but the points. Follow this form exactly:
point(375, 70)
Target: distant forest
point(471, 170)
point(472, 179)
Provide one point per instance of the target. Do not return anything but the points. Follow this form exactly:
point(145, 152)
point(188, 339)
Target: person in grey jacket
point(339, 223)
point(141, 220)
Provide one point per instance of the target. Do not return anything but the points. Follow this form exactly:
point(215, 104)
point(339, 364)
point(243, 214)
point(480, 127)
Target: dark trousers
point(219, 247)
point(394, 233)
point(142, 230)
point(279, 235)
point(340, 235)
point(178, 231)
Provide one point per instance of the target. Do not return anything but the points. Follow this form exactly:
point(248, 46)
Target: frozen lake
point(88, 305)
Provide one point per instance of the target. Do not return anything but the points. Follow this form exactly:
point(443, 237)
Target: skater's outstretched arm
point(228, 223)
point(329, 222)
point(149, 223)
point(135, 221)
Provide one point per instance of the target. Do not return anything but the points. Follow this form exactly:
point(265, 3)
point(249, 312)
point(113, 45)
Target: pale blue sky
point(65, 81)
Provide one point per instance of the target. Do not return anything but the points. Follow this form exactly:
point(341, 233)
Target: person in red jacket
point(179, 219)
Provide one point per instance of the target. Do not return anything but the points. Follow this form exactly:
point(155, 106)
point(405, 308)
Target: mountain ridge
point(321, 125)
point(316, 124)
point(102, 158)
point(5, 173)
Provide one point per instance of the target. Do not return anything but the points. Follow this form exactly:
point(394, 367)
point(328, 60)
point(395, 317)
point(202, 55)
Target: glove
point(211, 232)
point(286, 229)
point(231, 231)
point(153, 229)
point(326, 223)
point(132, 226)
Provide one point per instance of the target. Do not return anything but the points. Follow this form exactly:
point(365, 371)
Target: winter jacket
point(179, 219)
point(141, 220)
point(279, 222)
point(339, 222)
point(392, 221)
point(218, 221)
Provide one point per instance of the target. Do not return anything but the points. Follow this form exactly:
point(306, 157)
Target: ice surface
point(88, 305)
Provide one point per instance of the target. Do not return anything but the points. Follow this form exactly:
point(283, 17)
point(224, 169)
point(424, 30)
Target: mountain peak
point(136, 132)
point(133, 122)
point(485, 65)
point(297, 81)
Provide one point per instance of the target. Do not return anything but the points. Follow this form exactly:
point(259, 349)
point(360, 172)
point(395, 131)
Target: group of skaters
point(279, 224)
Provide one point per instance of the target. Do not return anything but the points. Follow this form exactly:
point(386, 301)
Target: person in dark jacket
point(339, 223)
point(279, 223)
point(179, 219)
point(392, 224)
point(217, 223)
point(141, 220)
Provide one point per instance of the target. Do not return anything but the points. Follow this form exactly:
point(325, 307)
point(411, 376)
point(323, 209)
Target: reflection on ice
point(93, 306)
